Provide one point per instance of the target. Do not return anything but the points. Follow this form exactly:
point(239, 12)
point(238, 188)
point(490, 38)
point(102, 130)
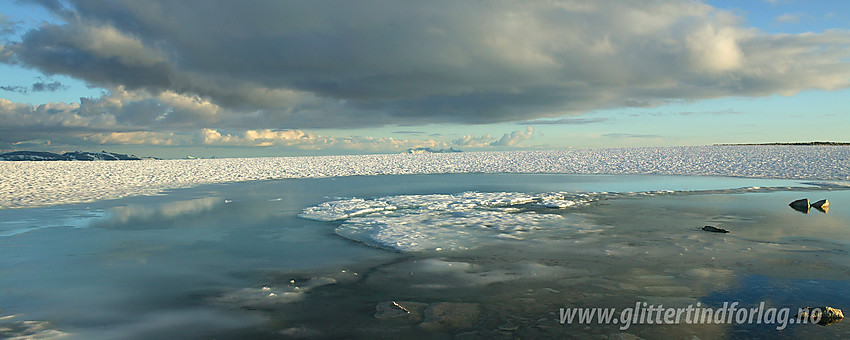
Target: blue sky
point(216, 78)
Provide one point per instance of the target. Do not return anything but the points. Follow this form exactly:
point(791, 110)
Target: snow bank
point(27, 184)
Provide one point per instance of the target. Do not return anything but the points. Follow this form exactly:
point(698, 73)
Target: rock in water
point(447, 315)
point(823, 315)
point(402, 310)
point(715, 229)
point(822, 205)
point(801, 205)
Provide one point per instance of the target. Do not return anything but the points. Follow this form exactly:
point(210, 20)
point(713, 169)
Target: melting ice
point(441, 222)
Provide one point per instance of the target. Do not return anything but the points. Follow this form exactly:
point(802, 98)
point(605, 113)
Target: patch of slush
point(29, 184)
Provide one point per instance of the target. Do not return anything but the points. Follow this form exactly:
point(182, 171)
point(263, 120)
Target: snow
point(29, 184)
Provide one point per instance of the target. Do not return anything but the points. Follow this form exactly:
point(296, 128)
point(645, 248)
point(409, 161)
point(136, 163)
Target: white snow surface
point(30, 184)
point(439, 222)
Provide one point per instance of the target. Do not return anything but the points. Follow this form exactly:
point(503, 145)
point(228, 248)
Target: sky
point(220, 78)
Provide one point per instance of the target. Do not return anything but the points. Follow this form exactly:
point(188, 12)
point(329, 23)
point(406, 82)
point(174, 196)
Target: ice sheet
point(26, 184)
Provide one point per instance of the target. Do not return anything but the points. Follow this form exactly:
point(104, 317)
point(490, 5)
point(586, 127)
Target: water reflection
point(803, 205)
point(170, 266)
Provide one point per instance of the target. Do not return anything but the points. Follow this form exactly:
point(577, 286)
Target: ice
point(416, 223)
point(27, 184)
point(342, 209)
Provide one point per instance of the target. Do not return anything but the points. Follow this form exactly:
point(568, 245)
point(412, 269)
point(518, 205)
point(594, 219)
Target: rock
point(822, 206)
point(447, 315)
point(715, 229)
point(823, 315)
point(508, 327)
point(400, 310)
point(801, 205)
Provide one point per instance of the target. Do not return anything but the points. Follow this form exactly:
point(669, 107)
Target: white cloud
point(264, 137)
point(715, 49)
point(135, 138)
point(515, 137)
point(787, 19)
point(511, 139)
point(473, 142)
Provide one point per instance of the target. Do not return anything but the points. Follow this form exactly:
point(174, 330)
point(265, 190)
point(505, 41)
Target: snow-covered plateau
point(30, 184)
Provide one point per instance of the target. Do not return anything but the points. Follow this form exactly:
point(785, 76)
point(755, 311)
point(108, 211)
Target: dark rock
point(801, 205)
point(822, 315)
point(401, 310)
point(715, 229)
point(822, 206)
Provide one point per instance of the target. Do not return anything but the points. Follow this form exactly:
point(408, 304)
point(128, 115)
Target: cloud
point(264, 137)
point(7, 26)
point(566, 121)
point(787, 19)
point(11, 88)
point(39, 86)
point(53, 86)
point(629, 135)
point(110, 121)
point(135, 138)
point(474, 142)
point(515, 137)
point(296, 65)
point(511, 139)
point(716, 113)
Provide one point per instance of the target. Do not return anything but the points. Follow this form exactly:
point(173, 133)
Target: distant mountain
point(68, 156)
point(429, 150)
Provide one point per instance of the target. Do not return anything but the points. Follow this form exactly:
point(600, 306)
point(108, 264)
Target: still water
point(236, 261)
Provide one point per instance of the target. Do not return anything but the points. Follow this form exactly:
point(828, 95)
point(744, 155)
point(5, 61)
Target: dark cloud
point(39, 86)
point(11, 88)
point(339, 64)
point(48, 87)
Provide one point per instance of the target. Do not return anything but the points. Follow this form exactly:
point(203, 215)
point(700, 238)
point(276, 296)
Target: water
point(236, 261)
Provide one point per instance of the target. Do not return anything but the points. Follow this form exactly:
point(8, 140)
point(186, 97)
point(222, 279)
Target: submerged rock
point(822, 205)
point(715, 229)
point(401, 310)
point(508, 327)
point(448, 315)
point(823, 315)
point(801, 205)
